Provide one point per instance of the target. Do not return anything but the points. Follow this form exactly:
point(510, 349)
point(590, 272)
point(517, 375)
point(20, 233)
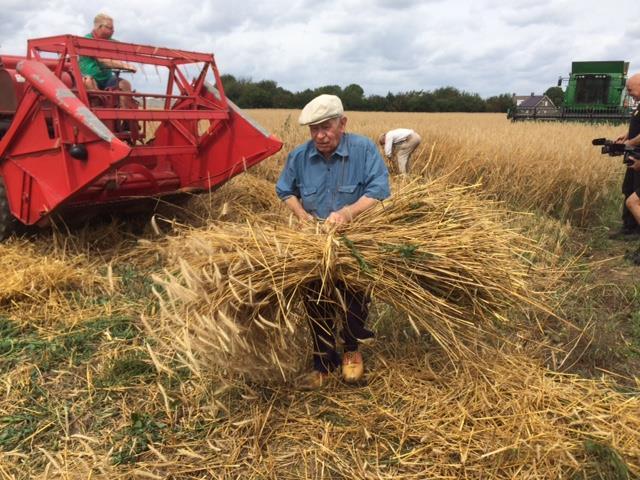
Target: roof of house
point(533, 101)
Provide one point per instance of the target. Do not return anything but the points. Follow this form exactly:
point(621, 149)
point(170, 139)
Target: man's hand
point(305, 217)
point(293, 203)
point(633, 142)
point(129, 68)
point(118, 65)
point(349, 212)
point(124, 66)
point(635, 166)
point(341, 217)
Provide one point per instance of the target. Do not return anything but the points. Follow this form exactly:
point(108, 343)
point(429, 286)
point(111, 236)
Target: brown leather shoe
point(352, 367)
point(312, 380)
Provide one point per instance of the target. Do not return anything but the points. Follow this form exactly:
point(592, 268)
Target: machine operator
point(97, 73)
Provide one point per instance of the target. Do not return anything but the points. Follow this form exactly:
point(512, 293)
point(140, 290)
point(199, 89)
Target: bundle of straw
point(26, 273)
point(440, 256)
point(40, 284)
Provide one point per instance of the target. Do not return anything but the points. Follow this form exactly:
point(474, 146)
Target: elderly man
point(401, 142)
point(97, 72)
point(631, 183)
point(333, 177)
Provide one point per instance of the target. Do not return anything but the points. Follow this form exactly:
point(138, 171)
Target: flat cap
point(321, 108)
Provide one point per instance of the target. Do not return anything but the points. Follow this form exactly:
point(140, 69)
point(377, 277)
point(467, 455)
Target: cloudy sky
point(484, 46)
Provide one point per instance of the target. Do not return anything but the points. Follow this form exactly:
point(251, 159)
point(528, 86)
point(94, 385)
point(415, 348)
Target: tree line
point(267, 94)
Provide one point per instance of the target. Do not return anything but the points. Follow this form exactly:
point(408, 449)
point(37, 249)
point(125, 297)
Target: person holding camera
point(631, 183)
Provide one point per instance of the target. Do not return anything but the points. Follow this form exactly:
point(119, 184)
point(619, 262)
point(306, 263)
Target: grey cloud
point(485, 46)
point(397, 4)
point(384, 49)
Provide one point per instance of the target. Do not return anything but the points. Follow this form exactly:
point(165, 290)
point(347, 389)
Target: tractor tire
point(7, 220)
point(5, 123)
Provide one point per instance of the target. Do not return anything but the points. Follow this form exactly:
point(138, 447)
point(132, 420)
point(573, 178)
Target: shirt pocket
point(309, 196)
point(348, 194)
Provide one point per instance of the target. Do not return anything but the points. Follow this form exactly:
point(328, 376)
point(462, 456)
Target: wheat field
point(507, 333)
point(546, 167)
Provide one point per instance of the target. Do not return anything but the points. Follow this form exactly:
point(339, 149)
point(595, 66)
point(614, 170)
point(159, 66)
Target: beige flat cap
point(321, 108)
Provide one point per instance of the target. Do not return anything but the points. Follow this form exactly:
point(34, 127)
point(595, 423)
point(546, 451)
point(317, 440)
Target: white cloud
point(484, 46)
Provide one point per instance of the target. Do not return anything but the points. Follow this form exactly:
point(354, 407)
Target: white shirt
point(395, 136)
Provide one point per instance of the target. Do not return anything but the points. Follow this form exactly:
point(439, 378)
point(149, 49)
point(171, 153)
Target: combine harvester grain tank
point(65, 149)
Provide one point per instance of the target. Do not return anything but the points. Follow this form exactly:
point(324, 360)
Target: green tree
point(353, 97)
point(500, 103)
point(423, 102)
point(303, 97)
point(556, 95)
point(253, 96)
point(446, 99)
point(231, 87)
point(267, 94)
point(375, 103)
point(329, 90)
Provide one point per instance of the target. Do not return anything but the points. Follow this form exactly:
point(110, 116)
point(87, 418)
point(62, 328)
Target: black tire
point(7, 220)
point(5, 123)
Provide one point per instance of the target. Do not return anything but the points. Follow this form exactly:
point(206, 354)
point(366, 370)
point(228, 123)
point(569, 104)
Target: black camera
point(613, 149)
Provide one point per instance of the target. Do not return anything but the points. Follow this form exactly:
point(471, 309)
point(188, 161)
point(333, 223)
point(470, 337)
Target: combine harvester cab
point(66, 149)
point(595, 93)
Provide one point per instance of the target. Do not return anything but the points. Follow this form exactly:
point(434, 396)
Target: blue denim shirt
point(326, 185)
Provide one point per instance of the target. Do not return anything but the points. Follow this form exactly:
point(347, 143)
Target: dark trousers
point(630, 184)
point(323, 310)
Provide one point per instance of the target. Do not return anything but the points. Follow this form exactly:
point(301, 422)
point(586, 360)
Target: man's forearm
point(363, 204)
point(634, 142)
point(109, 63)
point(293, 203)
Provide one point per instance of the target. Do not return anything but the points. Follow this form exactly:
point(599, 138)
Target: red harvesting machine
point(65, 149)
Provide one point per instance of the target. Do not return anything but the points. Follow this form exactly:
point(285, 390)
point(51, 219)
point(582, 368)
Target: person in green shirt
point(97, 73)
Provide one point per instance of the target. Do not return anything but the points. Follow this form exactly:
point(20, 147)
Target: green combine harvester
point(595, 93)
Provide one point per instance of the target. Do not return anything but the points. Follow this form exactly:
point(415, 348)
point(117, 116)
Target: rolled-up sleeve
point(376, 175)
point(287, 184)
point(388, 144)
